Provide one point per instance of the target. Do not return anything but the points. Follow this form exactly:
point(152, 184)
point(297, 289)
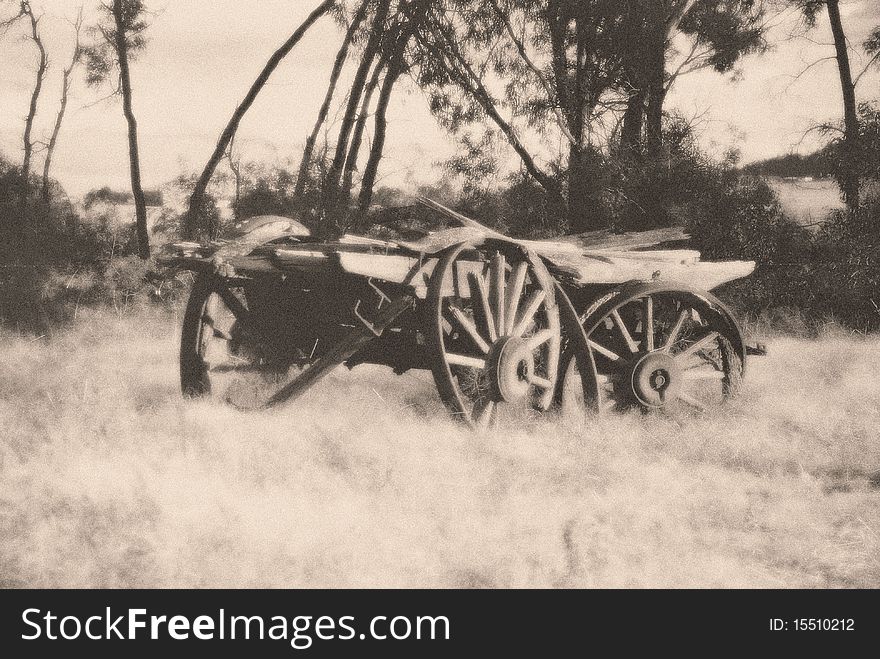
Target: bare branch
point(871, 62)
point(548, 88)
point(232, 127)
point(468, 80)
point(65, 93)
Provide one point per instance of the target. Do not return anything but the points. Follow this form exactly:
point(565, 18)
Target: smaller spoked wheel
point(218, 355)
point(493, 332)
point(662, 348)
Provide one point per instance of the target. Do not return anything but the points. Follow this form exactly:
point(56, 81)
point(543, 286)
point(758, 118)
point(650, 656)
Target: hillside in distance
point(793, 165)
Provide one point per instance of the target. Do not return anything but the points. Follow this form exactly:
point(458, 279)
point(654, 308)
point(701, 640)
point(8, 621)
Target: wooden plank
point(409, 271)
point(702, 275)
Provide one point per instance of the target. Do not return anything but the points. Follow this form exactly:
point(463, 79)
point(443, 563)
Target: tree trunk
point(137, 190)
point(235, 168)
point(332, 193)
point(191, 228)
point(584, 210)
point(369, 179)
point(59, 118)
point(357, 136)
point(338, 64)
point(633, 123)
point(53, 141)
point(656, 81)
point(849, 176)
point(395, 69)
point(42, 66)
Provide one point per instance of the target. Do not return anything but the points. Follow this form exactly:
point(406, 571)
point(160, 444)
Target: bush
point(847, 280)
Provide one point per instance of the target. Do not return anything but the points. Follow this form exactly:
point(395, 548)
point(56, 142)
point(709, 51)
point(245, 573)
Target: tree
point(564, 71)
point(65, 93)
point(717, 33)
point(42, 67)
point(414, 17)
point(191, 221)
point(121, 36)
point(338, 65)
point(332, 198)
point(848, 171)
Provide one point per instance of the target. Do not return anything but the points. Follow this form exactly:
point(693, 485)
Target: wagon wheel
point(493, 331)
point(662, 347)
point(218, 352)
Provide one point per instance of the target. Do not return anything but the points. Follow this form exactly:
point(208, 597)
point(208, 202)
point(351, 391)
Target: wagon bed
point(596, 258)
point(500, 322)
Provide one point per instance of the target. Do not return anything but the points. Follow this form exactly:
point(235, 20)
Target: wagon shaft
point(359, 336)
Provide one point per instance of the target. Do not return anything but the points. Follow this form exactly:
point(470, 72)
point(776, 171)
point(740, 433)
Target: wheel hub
point(511, 365)
point(655, 379)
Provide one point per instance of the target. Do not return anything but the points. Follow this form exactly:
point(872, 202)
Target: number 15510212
point(813, 624)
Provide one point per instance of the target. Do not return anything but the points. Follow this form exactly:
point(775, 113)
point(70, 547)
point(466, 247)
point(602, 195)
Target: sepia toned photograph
point(439, 294)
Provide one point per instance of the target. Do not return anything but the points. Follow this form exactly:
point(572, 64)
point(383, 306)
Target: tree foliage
point(101, 56)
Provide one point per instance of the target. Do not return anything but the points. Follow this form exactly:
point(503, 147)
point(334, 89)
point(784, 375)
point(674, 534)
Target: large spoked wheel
point(662, 347)
point(493, 332)
point(217, 354)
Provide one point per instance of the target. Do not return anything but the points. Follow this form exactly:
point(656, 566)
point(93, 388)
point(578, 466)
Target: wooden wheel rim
point(663, 370)
point(513, 332)
point(200, 331)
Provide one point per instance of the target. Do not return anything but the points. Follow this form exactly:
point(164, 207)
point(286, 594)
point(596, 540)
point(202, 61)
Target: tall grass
point(110, 479)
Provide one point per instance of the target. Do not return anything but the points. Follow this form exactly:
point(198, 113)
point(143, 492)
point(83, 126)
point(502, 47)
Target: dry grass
point(110, 479)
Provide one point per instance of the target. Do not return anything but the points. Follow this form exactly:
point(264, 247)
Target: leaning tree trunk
point(53, 141)
point(59, 118)
point(338, 64)
point(370, 171)
point(849, 175)
point(332, 194)
point(137, 190)
point(357, 136)
point(42, 66)
point(191, 221)
point(395, 69)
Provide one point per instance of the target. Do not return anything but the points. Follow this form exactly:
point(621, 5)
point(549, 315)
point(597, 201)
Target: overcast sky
point(203, 55)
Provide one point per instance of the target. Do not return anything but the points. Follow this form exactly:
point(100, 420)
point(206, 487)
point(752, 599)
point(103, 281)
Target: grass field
point(110, 479)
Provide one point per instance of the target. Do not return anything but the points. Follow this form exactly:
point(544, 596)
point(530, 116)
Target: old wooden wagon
point(501, 323)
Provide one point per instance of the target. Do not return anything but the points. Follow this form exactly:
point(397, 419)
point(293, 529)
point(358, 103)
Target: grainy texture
point(110, 478)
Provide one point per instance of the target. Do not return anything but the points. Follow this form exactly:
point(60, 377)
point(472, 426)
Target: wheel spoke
point(237, 368)
point(631, 343)
point(514, 292)
point(676, 330)
point(539, 339)
point(690, 400)
point(602, 350)
point(483, 412)
point(465, 360)
point(702, 374)
point(696, 347)
point(648, 323)
point(222, 334)
point(469, 327)
point(496, 289)
point(541, 383)
point(480, 284)
point(532, 306)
